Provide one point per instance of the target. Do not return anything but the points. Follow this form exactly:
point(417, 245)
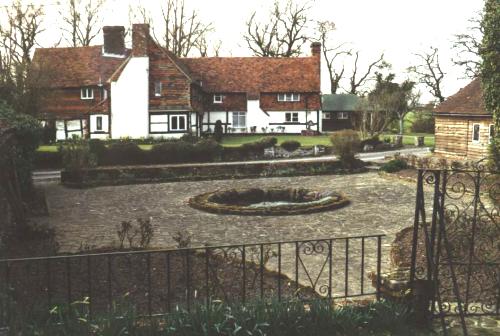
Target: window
point(342, 115)
point(158, 89)
point(239, 119)
point(475, 133)
point(327, 115)
point(288, 97)
point(292, 117)
point(492, 132)
point(98, 121)
point(158, 123)
point(217, 98)
point(87, 93)
point(177, 122)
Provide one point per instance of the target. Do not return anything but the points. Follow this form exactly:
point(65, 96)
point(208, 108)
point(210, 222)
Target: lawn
point(305, 141)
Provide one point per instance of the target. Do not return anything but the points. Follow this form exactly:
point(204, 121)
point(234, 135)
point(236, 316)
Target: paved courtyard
point(91, 217)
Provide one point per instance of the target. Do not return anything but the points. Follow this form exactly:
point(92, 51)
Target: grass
point(305, 141)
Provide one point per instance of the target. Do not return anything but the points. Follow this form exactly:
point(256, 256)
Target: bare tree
point(82, 22)
point(468, 47)
point(283, 34)
point(356, 82)
point(181, 31)
point(205, 51)
point(429, 72)
point(18, 38)
point(331, 54)
point(387, 102)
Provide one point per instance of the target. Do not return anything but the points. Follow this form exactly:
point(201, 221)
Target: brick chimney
point(114, 40)
point(140, 37)
point(316, 49)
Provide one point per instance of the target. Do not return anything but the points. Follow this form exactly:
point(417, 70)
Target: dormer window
point(217, 99)
point(158, 88)
point(87, 93)
point(288, 97)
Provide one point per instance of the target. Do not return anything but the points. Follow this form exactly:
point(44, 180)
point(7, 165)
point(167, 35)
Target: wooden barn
point(338, 111)
point(464, 128)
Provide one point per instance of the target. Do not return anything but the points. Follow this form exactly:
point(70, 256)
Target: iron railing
point(157, 281)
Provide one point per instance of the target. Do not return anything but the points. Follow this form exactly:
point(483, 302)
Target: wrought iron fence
point(158, 281)
point(456, 240)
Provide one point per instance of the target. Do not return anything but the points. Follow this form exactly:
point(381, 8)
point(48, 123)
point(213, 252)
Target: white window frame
point(293, 115)
point(327, 115)
point(288, 97)
point(218, 98)
point(491, 133)
point(158, 88)
point(238, 116)
point(342, 115)
point(478, 133)
point(84, 93)
point(178, 116)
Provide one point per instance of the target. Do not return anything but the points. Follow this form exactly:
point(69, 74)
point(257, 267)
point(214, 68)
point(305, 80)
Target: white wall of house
point(264, 123)
point(96, 133)
point(67, 129)
point(130, 100)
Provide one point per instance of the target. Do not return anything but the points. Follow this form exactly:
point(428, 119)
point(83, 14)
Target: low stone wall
point(188, 172)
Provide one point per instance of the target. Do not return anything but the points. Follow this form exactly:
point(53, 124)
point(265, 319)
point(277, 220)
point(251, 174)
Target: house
point(110, 91)
point(464, 128)
point(338, 111)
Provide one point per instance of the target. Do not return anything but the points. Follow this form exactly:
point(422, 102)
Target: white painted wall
point(257, 117)
point(129, 102)
point(93, 126)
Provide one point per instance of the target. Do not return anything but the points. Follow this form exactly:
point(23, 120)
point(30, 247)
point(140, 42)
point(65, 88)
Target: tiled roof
point(467, 101)
point(256, 74)
point(75, 67)
point(340, 102)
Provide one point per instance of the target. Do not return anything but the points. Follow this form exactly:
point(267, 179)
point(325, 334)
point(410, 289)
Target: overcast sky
point(397, 28)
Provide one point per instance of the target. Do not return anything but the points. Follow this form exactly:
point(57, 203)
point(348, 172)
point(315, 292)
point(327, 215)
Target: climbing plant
point(490, 69)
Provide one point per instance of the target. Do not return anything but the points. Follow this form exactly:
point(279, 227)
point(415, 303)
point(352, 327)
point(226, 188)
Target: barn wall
point(454, 137)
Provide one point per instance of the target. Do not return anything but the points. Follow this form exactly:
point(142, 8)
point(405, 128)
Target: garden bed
point(122, 175)
point(267, 202)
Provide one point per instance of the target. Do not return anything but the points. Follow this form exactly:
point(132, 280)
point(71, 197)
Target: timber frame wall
point(454, 137)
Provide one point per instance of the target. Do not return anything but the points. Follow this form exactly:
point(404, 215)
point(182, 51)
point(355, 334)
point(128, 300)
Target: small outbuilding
point(339, 111)
point(464, 129)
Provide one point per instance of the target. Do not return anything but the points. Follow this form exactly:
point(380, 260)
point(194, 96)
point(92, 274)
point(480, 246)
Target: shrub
point(268, 141)
point(290, 145)
point(423, 123)
point(206, 150)
point(190, 138)
point(28, 132)
point(99, 149)
point(394, 166)
point(124, 153)
point(373, 141)
point(48, 160)
point(76, 155)
point(345, 145)
point(171, 152)
point(218, 131)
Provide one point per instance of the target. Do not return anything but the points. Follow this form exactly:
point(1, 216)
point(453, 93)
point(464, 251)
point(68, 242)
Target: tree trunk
point(401, 125)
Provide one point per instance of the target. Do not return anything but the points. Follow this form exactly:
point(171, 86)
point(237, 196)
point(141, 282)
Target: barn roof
point(467, 101)
point(340, 102)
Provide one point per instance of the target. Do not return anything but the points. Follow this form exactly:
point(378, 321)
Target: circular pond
point(268, 202)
